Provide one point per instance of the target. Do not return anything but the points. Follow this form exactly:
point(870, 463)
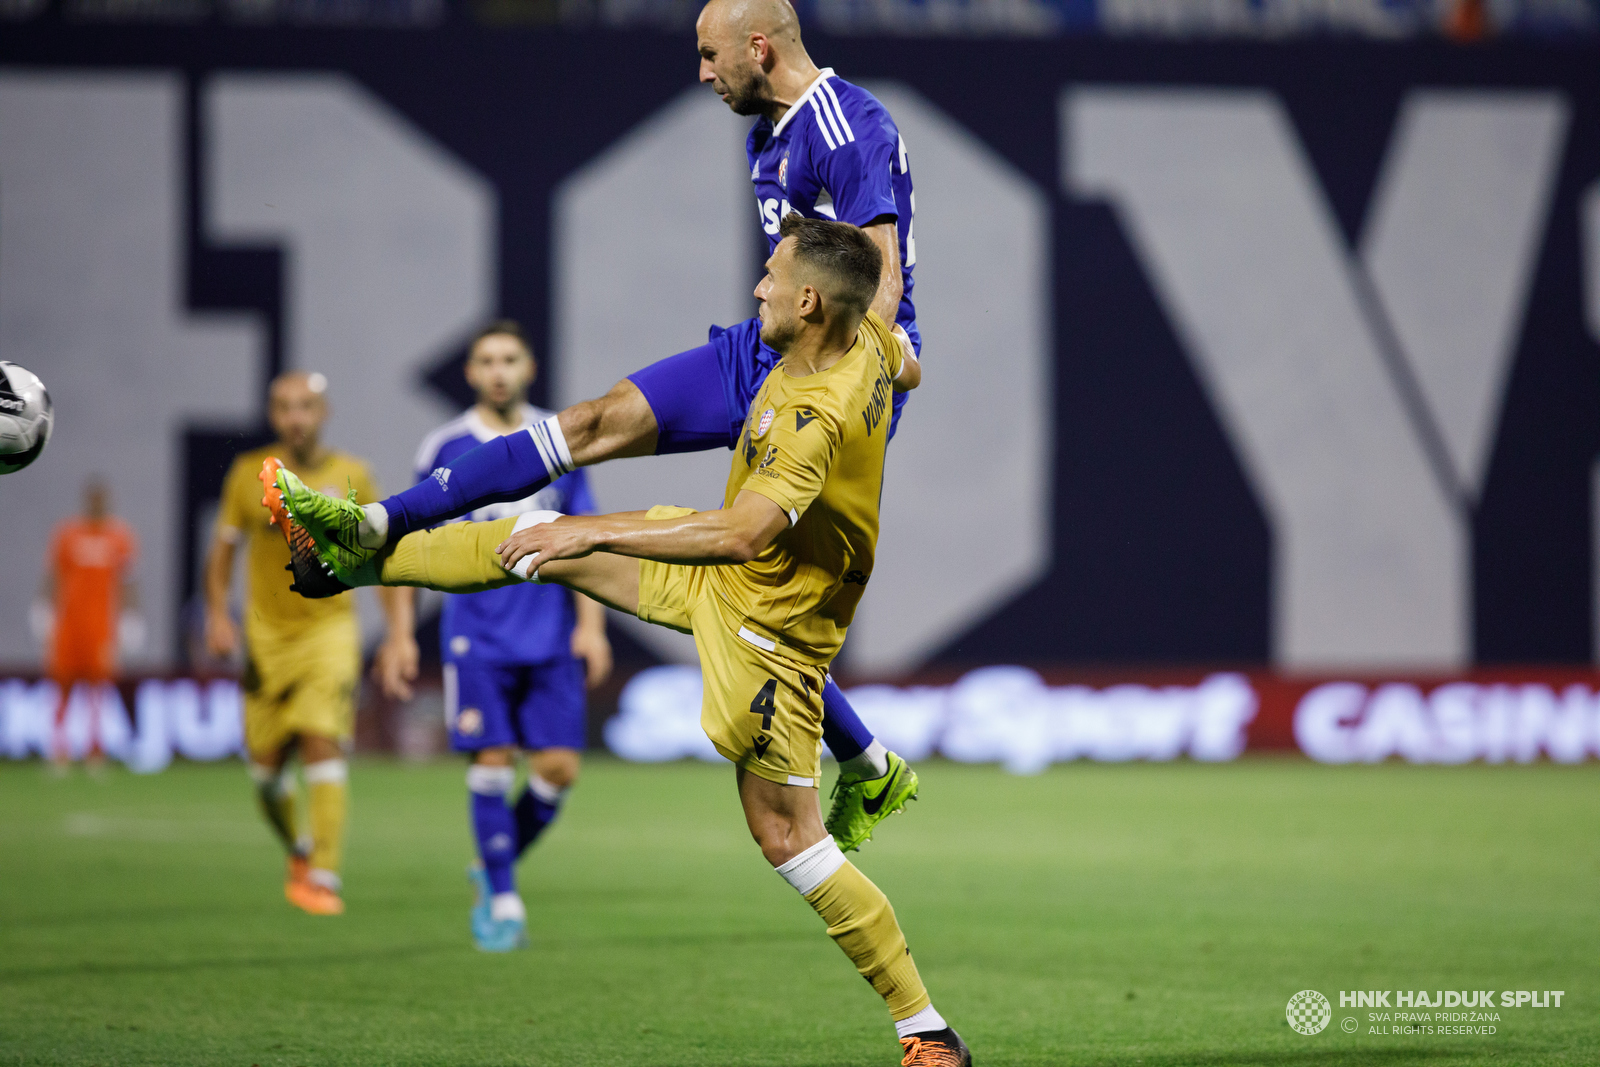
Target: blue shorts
point(537, 705)
point(700, 397)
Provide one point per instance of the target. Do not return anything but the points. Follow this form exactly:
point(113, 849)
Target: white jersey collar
point(827, 72)
point(480, 429)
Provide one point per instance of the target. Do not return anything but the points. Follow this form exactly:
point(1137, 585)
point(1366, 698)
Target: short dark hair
point(506, 327)
point(843, 252)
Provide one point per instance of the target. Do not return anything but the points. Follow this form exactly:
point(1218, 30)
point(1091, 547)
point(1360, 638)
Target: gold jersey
point(814, 446)
point(270, 609)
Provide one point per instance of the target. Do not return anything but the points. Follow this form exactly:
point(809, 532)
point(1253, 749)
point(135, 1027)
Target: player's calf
point(615, 426)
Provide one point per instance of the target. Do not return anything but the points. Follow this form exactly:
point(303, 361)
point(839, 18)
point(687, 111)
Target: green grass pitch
point(1139, 915)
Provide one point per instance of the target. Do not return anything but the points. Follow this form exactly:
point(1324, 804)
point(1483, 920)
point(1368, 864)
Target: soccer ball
point(26, 418)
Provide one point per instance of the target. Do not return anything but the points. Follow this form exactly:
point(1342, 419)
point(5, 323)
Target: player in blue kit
point(819, 147)
point(517, 660)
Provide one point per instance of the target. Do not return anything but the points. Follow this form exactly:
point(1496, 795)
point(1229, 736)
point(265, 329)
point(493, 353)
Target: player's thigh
point(612, 580)
point(480, 701)
point(760, 710)
point(692, 395)
point(554, 702)
point(266, 729)
point(558, 766)
point(325, 672)
point(668, 591)
point(744, 362)
point(86, 660)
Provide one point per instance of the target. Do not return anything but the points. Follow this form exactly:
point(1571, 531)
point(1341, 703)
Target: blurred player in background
point(516, 660)
point(86, 608)
point(820, 147)
point(302, 657)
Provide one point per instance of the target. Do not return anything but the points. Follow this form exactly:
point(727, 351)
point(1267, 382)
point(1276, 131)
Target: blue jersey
point(836, 154)
point(518, 624)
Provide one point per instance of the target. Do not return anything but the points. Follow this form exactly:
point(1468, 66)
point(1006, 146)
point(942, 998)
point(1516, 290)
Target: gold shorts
point(761, 709)
point(301, 684)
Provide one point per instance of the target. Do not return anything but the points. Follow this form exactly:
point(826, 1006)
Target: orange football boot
point(298, 868)
point(941, 1048)
point(314, 899)
point(312, 578)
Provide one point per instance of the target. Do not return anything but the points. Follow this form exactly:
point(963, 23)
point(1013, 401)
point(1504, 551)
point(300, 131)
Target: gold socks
point(327, 782)
point(455, 558)
point(861, 922)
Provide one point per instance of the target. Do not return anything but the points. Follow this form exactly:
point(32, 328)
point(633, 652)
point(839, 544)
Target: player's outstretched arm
point(730, 535)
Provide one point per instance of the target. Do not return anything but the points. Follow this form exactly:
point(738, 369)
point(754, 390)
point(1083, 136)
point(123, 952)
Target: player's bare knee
point(557, 766)
point(494, 757)
point(315, 749)
point(776, 836)
point(269, 759)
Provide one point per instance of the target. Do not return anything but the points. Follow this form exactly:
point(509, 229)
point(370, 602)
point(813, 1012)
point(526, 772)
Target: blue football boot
point(504, 935)
point(482, 924)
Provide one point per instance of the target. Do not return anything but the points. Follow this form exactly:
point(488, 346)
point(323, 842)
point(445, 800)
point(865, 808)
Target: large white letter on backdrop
point(1361, 393)
point(91, 299)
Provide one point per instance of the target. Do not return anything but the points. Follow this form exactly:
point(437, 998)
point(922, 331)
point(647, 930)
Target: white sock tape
point(552, 446)
point(925, 1021)
point(327, 772)
point(545, 791)
point(490, 781)
point(532, 518)
point(279, 782)
point(813, 866)
point(325, 878)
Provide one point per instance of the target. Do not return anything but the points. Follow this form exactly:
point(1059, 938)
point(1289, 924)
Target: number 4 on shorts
point(766, 703)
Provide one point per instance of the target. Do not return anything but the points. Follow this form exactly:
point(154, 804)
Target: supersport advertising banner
point(1015, 716)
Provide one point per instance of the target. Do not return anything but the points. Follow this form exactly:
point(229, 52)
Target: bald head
point(298, 381)
point(773, 19)
point(296, 409)
point(752, 55)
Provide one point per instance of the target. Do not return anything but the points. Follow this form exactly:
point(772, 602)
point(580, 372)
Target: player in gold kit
point(302, 657)
point(768, 584)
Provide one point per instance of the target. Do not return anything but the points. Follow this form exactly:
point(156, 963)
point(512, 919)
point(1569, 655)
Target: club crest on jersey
point(766, 422)
point(783, 172)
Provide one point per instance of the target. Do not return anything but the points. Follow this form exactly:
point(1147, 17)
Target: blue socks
point(504, 833)
point(506, 468)
point(493, 824)
point(536, 809)
point(842, 729)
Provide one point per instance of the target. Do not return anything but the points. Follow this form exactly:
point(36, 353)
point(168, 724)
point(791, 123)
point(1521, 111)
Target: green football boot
point(332, 524)
point(860, 804)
